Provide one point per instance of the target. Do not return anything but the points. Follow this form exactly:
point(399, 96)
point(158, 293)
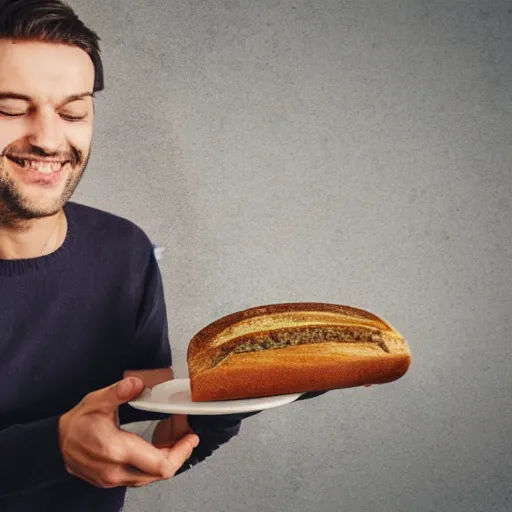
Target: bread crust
point(217, 373)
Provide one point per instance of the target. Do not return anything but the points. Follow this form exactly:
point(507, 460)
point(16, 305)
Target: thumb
point(128, 388)
point(109, 398)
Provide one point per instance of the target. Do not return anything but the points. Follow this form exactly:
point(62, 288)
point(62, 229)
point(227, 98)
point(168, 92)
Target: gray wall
point(354, 152)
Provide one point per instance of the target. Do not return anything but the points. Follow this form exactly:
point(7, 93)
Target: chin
point(27, 202)
point(37, 211)
point(26, 206)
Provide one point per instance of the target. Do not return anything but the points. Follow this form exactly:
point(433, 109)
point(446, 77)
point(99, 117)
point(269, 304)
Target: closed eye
point(72, 118)
point(66, 117)
point(11, 115)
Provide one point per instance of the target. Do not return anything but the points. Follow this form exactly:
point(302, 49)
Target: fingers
point(180, 425)
point(178, 454)
point(157, 462)
point(151, 378)
point(112, 474)
point(174, 458)
point(128, 388)
point(106, 476)
point(143, 456)
point(111, 397)
point(97, 451)
point(136, 478)
point(167, 432)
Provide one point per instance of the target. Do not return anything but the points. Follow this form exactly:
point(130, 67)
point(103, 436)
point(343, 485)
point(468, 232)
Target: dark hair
point(50, 21)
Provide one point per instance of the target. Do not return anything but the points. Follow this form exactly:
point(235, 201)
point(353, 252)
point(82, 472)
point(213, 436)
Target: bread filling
point(283, 338)
point(297, 319)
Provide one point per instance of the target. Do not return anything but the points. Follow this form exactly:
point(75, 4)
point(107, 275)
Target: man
point(81, 297)
point(82, 312)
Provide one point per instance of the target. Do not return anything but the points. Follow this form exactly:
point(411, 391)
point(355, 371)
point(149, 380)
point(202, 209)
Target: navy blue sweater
point(70, 323)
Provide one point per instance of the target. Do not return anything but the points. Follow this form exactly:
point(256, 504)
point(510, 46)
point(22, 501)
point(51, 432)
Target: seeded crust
point(291, 348)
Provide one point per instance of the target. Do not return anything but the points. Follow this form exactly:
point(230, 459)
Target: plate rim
point(213, 407)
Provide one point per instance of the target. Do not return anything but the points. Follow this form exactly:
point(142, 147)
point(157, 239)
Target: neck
point(32, 238)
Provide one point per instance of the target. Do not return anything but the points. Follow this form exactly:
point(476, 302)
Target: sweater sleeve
point(152, 350)
point(30, 456)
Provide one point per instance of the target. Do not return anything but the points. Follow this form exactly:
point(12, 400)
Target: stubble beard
point(15, 208)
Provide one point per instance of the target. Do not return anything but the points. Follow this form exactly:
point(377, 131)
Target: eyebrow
point(15, 96)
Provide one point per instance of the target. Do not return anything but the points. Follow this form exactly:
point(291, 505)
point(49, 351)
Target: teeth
point(42, 167)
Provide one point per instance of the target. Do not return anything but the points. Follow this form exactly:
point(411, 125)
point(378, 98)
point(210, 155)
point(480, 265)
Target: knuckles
point(111, 477)
point(167, 471)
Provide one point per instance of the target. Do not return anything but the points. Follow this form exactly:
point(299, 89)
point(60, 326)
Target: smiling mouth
point(42, 166)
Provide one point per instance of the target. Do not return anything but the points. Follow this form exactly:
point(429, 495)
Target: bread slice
point(293, 347)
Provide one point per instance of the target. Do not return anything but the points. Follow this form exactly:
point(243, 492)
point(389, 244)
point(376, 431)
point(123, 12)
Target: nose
point(47, 133)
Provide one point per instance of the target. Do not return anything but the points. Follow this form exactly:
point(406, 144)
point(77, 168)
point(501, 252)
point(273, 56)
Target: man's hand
point(96, 450)
point(169, 431)
point(151, 378)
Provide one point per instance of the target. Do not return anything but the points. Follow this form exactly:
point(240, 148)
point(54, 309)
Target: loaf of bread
point(291, 348)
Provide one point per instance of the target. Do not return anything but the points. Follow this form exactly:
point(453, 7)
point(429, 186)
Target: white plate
point(174, 397)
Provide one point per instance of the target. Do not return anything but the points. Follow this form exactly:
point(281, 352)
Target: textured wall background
point(353, 152)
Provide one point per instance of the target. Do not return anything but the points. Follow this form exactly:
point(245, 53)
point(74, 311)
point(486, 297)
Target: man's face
point(45, 126)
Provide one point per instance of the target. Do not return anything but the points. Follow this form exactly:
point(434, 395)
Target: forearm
point(30, 456)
